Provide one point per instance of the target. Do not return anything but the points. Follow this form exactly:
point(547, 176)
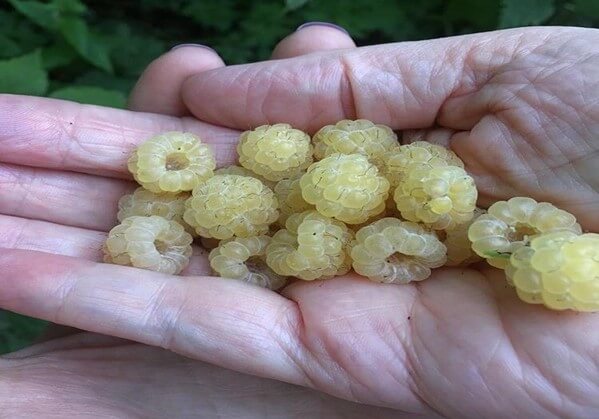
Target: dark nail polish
point(325, 24)
point(192, 45)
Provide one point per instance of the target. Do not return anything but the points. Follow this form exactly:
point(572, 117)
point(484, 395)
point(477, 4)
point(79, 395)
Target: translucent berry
point(311, 247)
point(355, 137)
point(245, 259)
point(396, 252)
point(440, 197)
point(459, 247)
point(145, 203)
point(152, 243)
point(397, 162)
point(346, 187)
point(275, 151)
point(172, 162)
point(229, 205)
point(559, 270)
point(291, 201)
point(242, 171)
point(513, 223)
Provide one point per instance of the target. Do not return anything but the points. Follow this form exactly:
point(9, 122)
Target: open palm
point(519, 107)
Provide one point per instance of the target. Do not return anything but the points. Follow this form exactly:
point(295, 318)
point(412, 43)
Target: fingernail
point(192, 45)
point(325, 24)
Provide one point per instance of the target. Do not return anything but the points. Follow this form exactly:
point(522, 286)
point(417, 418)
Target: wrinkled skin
point(519, 107)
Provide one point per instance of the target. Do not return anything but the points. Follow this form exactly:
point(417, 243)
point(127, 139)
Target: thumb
point(403, 85)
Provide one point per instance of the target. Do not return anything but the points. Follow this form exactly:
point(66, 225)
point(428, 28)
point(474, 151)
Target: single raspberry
point(559, 270)
point(396, 252)
point(291, 201)
point(311, 247)
point(145, 203)
point(459, 247)
point(397, 162)
point(355, 137)
point(244, 259)
point(513, 223)
point(229, 205)
point(152, 243)
point(275, 151)
point(346, 187)
point(172, 162)
point(242, 171)
point(440, 197)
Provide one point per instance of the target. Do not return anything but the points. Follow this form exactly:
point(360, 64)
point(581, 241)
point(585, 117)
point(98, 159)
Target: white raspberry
point(397, 162)
point(172, 162)
point(355, 137)
point(559, 270)
point(346, 187)
point(513, 223)
point(311, 247)
point(275, 151)
point(152, 243)
point(245, 259)
point(396, 252)
point(229, 205)
point(441, 197)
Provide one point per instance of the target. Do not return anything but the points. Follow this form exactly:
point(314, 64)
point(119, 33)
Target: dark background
point(93, 51)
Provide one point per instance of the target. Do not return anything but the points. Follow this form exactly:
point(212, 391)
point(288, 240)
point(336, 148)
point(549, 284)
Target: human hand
point(460, 343)
point(105, 376)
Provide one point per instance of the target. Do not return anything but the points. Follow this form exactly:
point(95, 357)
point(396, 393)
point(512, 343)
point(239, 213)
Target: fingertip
point(313, 37)
point(158, 90)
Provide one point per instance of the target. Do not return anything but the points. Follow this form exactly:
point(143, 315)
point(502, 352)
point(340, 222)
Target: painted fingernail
point(325, 24)
point(192, 45)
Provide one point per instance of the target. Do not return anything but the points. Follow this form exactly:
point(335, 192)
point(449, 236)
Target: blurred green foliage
point(93, 51)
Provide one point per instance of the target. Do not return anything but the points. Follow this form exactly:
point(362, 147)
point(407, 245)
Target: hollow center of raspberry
point(255, 264)
point(161, 246)
point(176, 161)
point(522, 231)
point(398, 259)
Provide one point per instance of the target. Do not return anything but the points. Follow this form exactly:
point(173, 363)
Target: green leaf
point(70, 6)
point(24, 75)
point(88, 45)
point(219, 15)
point(16, 332)
point(525, 12)
point(479, 15)
point(8, 47)
point(587, 7)
point(45, 15)
point(295, 4)
point(91, 95)
point(58, 55)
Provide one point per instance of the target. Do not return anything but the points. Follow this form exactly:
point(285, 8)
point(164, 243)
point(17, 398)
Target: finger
point(42, 236)
point(402, 85)
point(439, 136)
point(68, 198)
point(224, 322)
point(313, 37)
point(57, 134)
point(158, 90)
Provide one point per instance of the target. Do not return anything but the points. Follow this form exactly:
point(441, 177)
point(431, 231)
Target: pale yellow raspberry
point(441, 197)
point(346, 187)
point(311, 247)
point(397, 162)
point(146, 203)
point(245, 259)
point(513, 223)
point(396, 252)
point(559, 270)
point(355, 137)
point(229, 205)
point(152, 243)
point(172, 162)
point(275, 152)
point(242, 171)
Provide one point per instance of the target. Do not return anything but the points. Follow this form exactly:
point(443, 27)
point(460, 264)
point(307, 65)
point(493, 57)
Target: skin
point(519, 107)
